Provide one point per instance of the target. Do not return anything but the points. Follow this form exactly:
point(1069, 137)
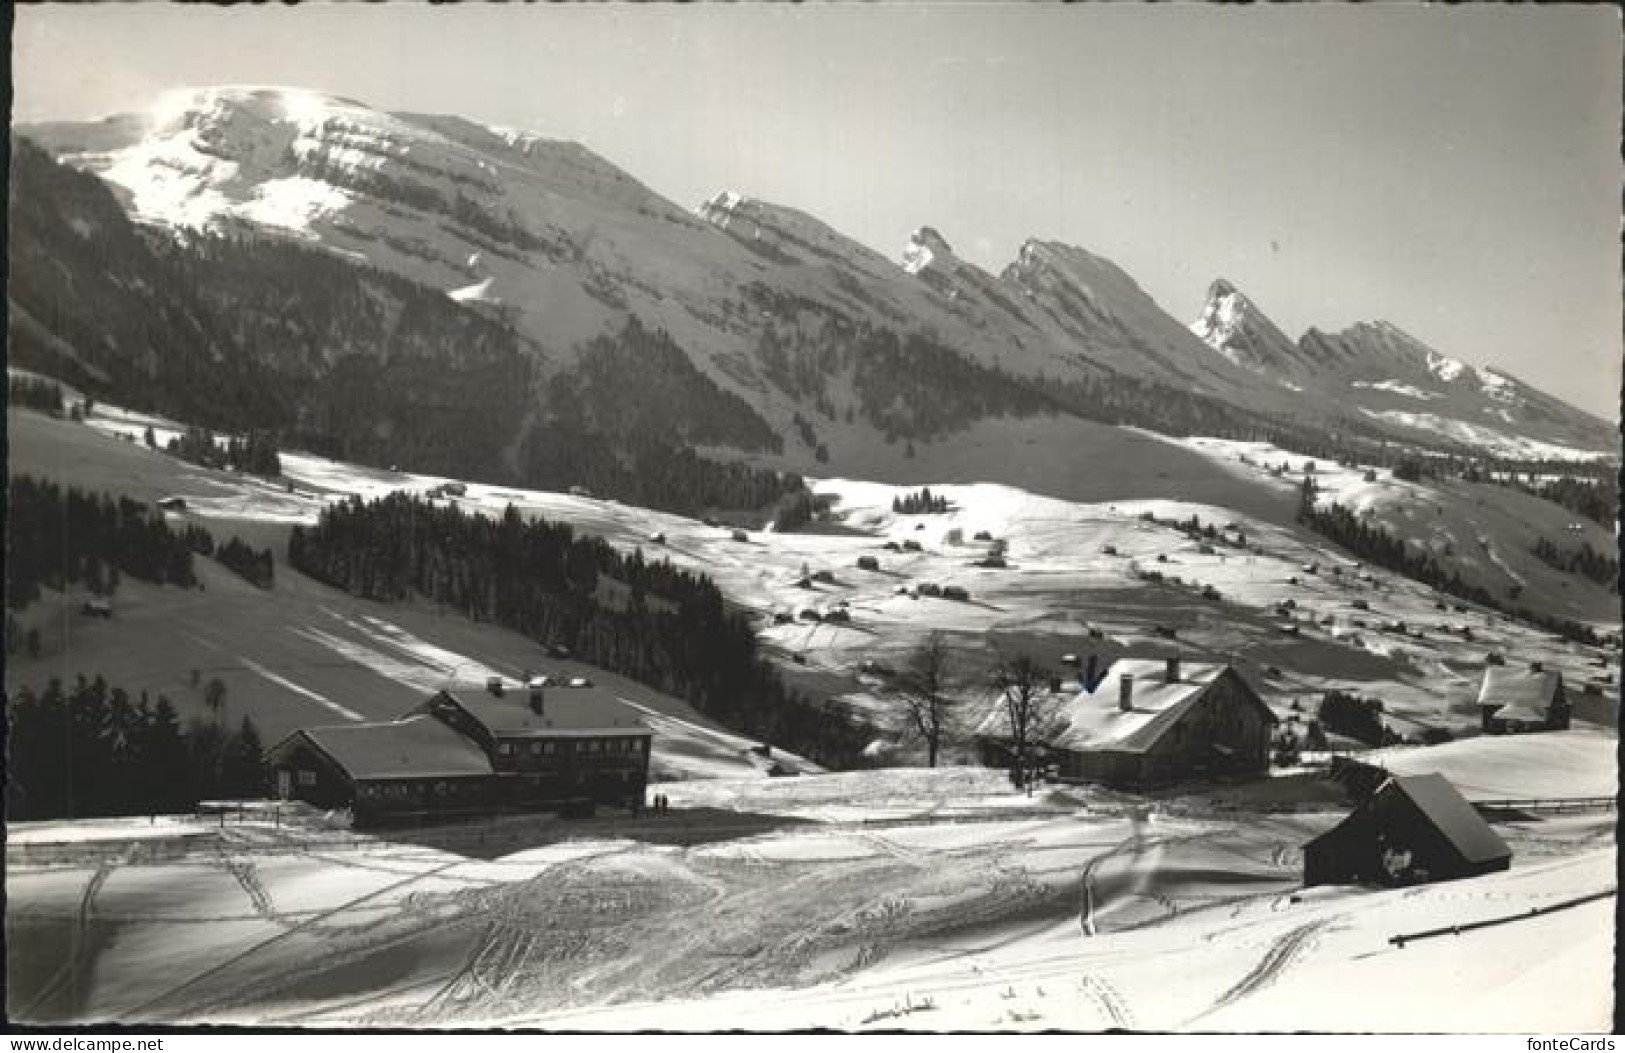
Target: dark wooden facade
point(305, 772)
point(472, 756)
point(1409, 832)
point(1223, 734)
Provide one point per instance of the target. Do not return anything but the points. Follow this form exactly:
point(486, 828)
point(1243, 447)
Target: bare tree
point(930, 712)
point(1029, 710)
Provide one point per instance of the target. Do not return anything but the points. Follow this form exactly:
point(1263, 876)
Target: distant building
point(473, 752)
point(1519, 700)
point(1151, 722)
point(1414, 829)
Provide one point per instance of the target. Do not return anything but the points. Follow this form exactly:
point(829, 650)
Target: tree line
point(65, 536)
point(255, 453)
point(674, 632)
point(93, 750)
point(1374, 544)
point(35, 393)
point(920, 503)
point(1584, 561)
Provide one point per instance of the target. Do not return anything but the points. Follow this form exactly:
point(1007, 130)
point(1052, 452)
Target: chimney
point(1125, 692)
point(1173, 669)
point(493, 684)
point(1537, 666)
point(1090, 680)
point(536, 693)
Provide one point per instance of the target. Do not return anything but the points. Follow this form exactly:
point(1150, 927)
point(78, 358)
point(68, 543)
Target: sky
point(1453, 170)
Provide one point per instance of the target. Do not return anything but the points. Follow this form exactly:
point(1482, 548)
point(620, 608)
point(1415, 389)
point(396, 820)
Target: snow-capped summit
point(1234, 327)
point(564, 247)
point(925, 247)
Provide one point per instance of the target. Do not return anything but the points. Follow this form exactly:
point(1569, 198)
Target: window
point(536, 749)
point(547, 749)
point(307, 777)
point(505, 749)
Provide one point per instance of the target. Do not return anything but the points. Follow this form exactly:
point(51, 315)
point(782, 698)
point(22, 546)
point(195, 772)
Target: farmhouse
point(1518, 700)
point(1414, 829)
point(1151, 722)
point(472, 752)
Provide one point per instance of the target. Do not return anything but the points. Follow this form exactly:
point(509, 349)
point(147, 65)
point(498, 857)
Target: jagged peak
point(926, 247)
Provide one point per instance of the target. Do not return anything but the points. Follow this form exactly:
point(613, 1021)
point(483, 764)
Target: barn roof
point(1520, 694)
point(416, 747)
point(1450, 813)
point(565, 711)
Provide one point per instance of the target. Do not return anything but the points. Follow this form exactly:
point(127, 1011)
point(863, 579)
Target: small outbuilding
point(1412, 830)
point(1512, 701)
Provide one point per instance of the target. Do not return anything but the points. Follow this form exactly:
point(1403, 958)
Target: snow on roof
point(1094, 720)
point(1450, 813)
point(1521, 694)
point(565, 710)
point(416, 747)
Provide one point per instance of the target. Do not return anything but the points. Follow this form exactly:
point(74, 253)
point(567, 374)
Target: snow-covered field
point(1072, 583)
point(890, 899)
point(897, 898)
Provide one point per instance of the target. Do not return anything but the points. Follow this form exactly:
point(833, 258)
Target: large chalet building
point(1511, 700)
point(471, 753)
point(1154, 722)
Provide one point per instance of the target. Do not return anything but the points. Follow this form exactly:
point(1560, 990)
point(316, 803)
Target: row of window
point(396, 790)
point(548, 747)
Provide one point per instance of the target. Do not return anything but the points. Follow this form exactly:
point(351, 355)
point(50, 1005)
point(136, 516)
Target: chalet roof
point(565, 711)
point(1443, 808)
point(416, 747)
point(1520, 694)
point(1092, 720)
point(1450, 813)
point(1095, 721)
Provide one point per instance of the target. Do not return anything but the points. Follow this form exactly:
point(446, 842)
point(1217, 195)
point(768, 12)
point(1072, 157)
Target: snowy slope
point(983, 909)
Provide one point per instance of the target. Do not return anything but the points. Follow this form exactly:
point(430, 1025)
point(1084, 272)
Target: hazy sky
point(1454, 170)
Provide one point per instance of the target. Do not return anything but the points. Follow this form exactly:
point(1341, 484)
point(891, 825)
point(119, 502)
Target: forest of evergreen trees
point(1584, 561)
point(64, 536)
point(36, 394)
point(919, 503)
point(255, 453)
point(539, 578)
point(1595, 499)
point(1373, 543)
point(800, 508)
point(256, 566)
point(92, 750)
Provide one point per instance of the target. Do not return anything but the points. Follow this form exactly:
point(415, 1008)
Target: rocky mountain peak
point(926, 247)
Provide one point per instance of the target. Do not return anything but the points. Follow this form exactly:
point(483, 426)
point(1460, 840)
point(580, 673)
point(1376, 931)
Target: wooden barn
point(1153, 722)
point(473, 752)
point(1414, 829)
point(404, 767)
point(1519, 700)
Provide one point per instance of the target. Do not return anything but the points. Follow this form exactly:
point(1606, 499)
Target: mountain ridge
point(565, 247)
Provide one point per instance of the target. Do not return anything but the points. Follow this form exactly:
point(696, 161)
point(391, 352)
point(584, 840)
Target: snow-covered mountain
point(1389, 376)
point(768, 302)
